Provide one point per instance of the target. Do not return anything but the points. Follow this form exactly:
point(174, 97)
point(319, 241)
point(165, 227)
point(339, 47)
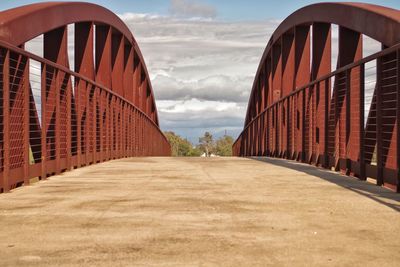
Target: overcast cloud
point(187, 8)
point(201, 69)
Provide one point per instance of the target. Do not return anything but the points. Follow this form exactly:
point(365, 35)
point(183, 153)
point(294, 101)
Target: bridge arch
point(299, 108)
point(22, 24)
point(54, 118)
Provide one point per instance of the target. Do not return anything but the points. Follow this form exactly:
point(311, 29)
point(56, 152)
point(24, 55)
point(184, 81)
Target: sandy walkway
point(195, 212)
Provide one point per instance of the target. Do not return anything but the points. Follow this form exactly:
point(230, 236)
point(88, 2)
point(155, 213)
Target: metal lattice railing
point(53, 119)
point(353, 129)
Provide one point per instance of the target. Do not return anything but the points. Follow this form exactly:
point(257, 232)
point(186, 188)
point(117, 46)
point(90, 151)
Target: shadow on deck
point(379, 194)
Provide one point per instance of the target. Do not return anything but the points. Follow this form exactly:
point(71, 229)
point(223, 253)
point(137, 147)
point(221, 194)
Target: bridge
point(139, 206)
point(345, 119)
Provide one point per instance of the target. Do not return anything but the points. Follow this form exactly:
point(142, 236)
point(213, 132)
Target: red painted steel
point(53, 119)
point(301, 110)
point(22, 24)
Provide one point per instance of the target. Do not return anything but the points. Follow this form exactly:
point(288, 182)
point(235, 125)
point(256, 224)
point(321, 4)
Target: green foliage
point(223, 146)
point(181, 147)
point(195, 152)
point(184, 147)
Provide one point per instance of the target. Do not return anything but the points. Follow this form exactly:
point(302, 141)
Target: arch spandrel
point(22, 24)
point(367, 19)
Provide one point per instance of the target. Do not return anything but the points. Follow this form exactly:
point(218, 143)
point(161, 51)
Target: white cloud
point(190, 8)
point(195, 105)
point(213, 88)
point(202, 71)
point(191, 118)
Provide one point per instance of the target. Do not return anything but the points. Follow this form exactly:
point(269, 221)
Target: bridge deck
point(172, 211)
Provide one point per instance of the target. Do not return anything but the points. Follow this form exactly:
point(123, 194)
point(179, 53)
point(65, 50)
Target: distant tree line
point(181, 147)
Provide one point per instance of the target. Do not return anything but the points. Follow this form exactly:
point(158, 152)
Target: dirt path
point(200, 212)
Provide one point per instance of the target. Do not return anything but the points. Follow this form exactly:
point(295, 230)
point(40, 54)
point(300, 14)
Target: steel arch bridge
point(53, 118)
point(347, 119)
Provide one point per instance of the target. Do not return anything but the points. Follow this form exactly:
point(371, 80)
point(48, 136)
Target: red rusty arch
point(363, 18)
point(368, 19)
point(22, 24)
point(296, 112)
point(53, 119)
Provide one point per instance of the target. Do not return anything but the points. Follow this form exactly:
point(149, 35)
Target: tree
point(207, 144)
point(181, 147)
point(195, 152)
point(174, 141)
point(224, 146)
point(184, 148)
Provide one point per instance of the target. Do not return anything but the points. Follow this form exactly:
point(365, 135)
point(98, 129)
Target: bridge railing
point(53, 119)
point(354, 128)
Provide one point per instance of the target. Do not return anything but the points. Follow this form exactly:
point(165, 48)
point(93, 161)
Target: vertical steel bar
point(6, 120)
point(288, 127)
point(107, 126)
point(78, 94)
point(398, 120)
point(87, 122)
point(326, 122)
point(350, 50)
point(103, 36)
point(100, 124)
point(43, 101)
point(68, 95)
point(57, 122)
point(26, 91)
point(321, 65)
point(303, 127)
point(347, 128)
point(112, 126)
point(94, 124)
point(118, 123)
point(122, 129)
point(362, 174)
point(379, 179)
point(132, 131)
point(268, 129)
point(337, 126)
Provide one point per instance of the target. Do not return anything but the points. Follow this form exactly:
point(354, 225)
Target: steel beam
point(6, 119)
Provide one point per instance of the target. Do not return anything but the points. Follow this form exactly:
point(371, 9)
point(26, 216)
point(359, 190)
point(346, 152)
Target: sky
point(202, 55)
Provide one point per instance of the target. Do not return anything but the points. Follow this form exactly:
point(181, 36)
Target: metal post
point(303, 128)
point(68, 95)
point(57, 121)
point(44, 122)
point(326, 123)
point(87, 122)
point(362, 129)
point(6, 120)
point(379, 179)
point(348, 122)
point(94, 125)
point(26, 90)
point(398, 120)
point(78, 84)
